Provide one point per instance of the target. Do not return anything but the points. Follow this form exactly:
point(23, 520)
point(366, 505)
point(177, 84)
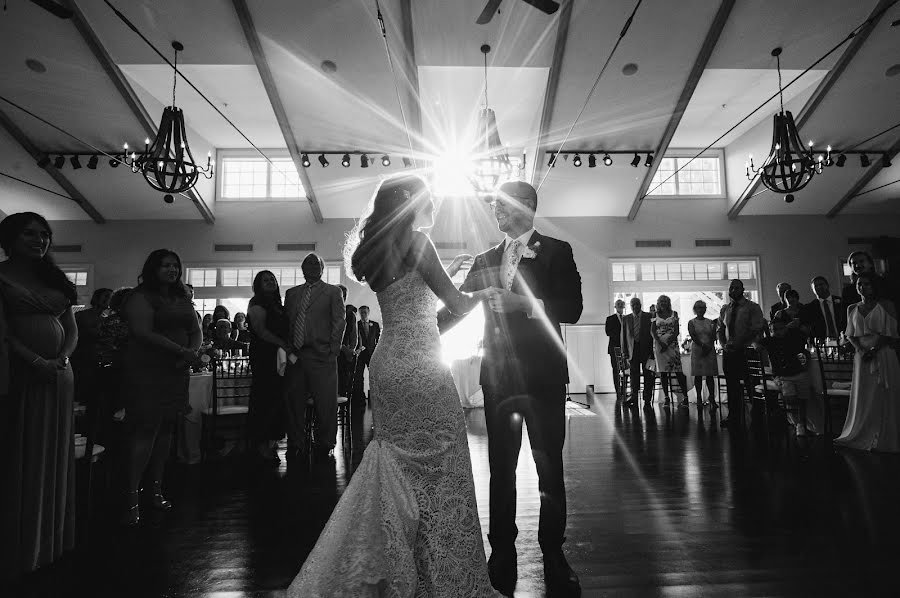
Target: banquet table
point(466, 373)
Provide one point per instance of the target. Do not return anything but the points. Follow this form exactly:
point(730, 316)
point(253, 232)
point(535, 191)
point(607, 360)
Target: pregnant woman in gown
point(407, 525)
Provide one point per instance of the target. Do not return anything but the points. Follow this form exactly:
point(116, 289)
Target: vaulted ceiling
point(702, 65)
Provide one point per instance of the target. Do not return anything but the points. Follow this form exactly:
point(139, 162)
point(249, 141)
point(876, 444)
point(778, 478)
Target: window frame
point(615, 286)
point(219, 291)
point(242, 154)
point(88, 286)
point(689, 153)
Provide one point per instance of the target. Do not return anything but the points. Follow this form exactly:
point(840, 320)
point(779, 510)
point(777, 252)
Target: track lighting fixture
point(76, 163)
point(649, 161)
point(364, 161)
point(113, 163)
point(607, 159)
point(864, 160)
point(592, 161)
point(345, 161)
point(841, 160)
point(304, 160)
point(92, 162)
point(551, 163)
point(576, 161)
point(385, 160)
point(59, 162)
point(323, 161)
point(885, 161)
point(44, 162)
point(406, 162)
point(636, 160)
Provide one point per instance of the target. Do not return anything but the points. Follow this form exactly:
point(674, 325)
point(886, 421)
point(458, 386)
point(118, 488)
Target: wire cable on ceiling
point(387, 50)
point(591, 92)
point(876, 188)
point(36, 186)
point(870, 21)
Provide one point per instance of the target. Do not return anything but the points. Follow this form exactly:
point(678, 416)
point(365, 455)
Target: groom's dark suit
point(523, 375)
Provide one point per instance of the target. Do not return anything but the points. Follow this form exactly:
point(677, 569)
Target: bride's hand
point(484, 294)
point(457, 264)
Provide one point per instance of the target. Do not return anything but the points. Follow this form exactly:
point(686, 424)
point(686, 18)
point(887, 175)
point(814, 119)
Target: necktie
point(300, 322)
point(732, 321)
point(830, 328)
point(512, 260)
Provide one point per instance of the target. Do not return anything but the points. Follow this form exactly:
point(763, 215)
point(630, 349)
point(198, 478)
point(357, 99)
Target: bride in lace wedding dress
point(407, 524)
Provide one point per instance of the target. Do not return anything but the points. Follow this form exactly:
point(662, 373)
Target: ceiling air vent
point(712, 243)
point(862, 240)
point(234, 247)
point(296, 247)
point(450, 244)
point(67, 249)
point(653, 243)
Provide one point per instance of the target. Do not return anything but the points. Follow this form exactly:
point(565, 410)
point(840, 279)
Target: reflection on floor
point(661, 503)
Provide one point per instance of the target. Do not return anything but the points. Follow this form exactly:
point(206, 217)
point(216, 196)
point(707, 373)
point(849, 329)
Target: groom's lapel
point(495, 262)
point(525, 271)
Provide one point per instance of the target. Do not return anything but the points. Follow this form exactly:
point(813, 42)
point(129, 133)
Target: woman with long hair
point(268, 332)
point(37, 501)
point(407, 523)
point(165, 337)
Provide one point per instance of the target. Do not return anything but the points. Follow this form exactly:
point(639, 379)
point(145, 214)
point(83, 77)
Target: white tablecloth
point(200, 394)
point(466, 374)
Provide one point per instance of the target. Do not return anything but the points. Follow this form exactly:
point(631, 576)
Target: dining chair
point(229, 409)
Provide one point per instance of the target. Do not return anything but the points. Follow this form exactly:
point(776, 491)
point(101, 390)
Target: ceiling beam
point(411, 68)
point(864, 180)
point(706, 50)
point(61, 180)
point(128, 95)
point(265, 73)
point(818, 95)
point(550, 91)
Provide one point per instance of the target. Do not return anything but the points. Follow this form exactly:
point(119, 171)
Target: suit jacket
point(614, 332)
point(776, 307)
point(369, 341)
point(645, 342)
point(812, 315)
point(325, 320)
point(349, 341)
point(517, 348)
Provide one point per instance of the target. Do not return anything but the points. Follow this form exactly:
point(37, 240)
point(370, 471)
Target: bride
point(407, 524)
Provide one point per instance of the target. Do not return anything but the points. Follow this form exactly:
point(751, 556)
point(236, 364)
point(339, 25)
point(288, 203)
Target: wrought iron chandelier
point(492, 166)
point(790, 166)
point(168, 164)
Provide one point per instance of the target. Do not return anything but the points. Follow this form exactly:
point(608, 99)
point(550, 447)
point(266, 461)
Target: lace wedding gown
point(407, 524)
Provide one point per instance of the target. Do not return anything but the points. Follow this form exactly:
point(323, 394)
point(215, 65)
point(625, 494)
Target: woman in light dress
point(873, 418)
point(704, 364)
point(664, 330)
point(407, 524)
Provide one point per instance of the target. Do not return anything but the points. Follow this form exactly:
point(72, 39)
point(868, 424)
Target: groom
point(524, 376)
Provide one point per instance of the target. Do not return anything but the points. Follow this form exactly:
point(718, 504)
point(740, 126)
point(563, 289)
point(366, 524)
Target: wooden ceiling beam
point(28, 145)
point(706, 50)
point(265, 73)
point(127, 93)
point(816, 98)
point(411, 68)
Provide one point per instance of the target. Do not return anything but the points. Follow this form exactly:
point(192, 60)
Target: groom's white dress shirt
point(510, 264)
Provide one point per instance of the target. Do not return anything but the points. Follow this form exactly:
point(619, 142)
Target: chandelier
point(492, 166)
point(790, 166)
point(168, 164)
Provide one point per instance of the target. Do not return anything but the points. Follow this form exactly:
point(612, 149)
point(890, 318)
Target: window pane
point(618, 273)
point(674, 272)
point(229, 277)
point(244, 178)
point(647, 272)
point(285, 180)
point(660, 271)
point(333, 274)
point(687, 271)
point(630, 272)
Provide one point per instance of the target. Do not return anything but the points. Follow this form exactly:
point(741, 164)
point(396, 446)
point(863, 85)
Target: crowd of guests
point(862, 321)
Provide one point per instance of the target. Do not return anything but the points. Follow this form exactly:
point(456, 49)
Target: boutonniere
point(531, 251)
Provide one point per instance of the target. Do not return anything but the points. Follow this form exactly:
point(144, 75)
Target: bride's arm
point(428, 264)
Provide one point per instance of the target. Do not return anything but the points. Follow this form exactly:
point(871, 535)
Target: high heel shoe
point(159, 502)
point(132, 515)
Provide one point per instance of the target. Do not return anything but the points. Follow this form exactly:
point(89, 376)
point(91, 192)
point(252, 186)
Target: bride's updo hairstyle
point(377, 247)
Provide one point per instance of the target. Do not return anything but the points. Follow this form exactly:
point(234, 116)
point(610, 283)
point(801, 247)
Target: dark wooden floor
point(661, 503)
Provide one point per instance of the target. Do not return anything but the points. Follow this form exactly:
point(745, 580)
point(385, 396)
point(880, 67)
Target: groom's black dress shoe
point(502, 570)
point(559, 577)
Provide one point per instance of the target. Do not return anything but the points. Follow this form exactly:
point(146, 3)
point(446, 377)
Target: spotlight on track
point(885, 161)
point(76, 163)
point(407, 163)
point(636, 160)
point(304, 160)
point(592, 161)
point(44, 162)
point(345, 161)
point(841, 160)
point(649, 161)
point(385, 160)
point(551, 163)
point(607, 159)
point(92, 162)
point(364, 161)
point(323, 161)
point(59, 162)
point(576, 161)
point(864, 160)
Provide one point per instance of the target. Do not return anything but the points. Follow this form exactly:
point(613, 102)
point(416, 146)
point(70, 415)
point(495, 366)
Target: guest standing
point(239, 328)
point(165, 337)
point(268, 332)
point(781, 288)
point(826, 315)
point(37, 500)
point(368, 334)
point(665, 329)
point(740, 324)
point(84, 358)
point(873, 418)
point(220, 312)
point(346, 360)
point(789, 357)
point(614, 332)
point(637, 347)
point(704, 363)
point(315, 313)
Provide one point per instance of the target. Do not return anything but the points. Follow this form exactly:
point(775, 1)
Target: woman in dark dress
point(165, 337)
point(37, 477)
point(268, 332)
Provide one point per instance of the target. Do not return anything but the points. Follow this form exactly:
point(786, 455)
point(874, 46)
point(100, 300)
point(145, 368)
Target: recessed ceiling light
point(328, 66)
point(36, 65)
point(629, 69)
point(892, 71)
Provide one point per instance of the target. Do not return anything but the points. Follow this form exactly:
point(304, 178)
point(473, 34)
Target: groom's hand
point(504, 302)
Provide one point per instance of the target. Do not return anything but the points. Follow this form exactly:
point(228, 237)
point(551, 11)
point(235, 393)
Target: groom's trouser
point(542, 408)
point(316, 377)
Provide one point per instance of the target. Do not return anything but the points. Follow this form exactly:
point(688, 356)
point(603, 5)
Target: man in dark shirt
point(614, 332)
point(781, 288)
